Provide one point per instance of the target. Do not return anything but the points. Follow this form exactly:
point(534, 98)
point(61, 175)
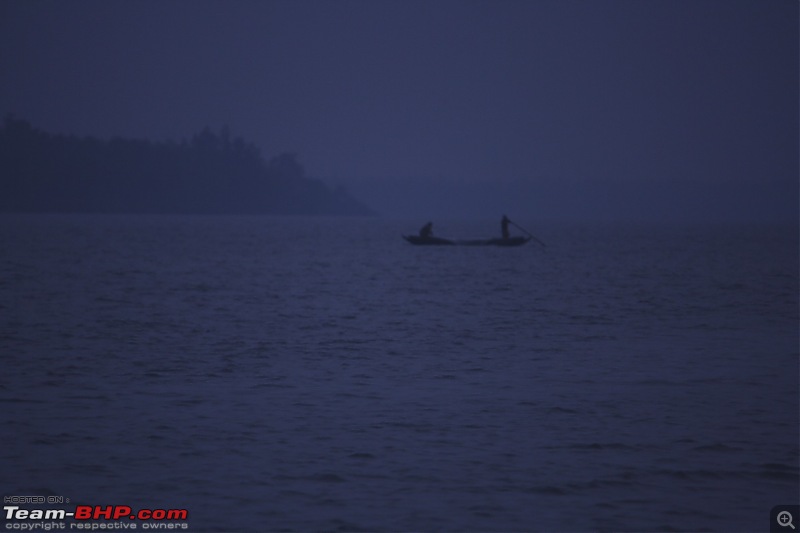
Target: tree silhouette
point(211, 173)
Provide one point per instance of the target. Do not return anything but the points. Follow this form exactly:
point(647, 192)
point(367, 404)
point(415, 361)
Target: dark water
point(321, 374)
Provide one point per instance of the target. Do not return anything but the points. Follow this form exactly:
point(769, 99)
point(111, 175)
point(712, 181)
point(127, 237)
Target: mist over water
point(657, 111)
point(588, 199)
point(321, 374)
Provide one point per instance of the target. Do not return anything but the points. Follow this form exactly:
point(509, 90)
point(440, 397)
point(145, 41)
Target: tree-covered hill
point(211, 173)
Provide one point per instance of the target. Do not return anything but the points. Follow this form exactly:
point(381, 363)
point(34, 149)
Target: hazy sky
point(595, 109)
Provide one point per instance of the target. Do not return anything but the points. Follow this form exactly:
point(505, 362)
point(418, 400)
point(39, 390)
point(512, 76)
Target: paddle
point(529, 233)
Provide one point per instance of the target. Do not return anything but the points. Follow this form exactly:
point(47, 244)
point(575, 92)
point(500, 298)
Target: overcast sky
point(595, 109)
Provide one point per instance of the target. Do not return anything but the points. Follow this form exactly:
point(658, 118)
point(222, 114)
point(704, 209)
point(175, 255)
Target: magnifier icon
point(785, 519)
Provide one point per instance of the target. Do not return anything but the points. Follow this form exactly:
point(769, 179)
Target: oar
point(529, 234)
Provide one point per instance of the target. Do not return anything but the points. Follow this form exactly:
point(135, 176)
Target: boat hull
point(416, 239)
point(511, 241)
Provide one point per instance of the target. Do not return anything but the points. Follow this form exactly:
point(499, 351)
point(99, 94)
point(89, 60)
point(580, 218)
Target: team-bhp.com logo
point(86, 517)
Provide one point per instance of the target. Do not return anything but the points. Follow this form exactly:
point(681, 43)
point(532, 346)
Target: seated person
point(427, 230)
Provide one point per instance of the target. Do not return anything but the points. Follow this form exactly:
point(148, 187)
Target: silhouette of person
point(504, 226)
point(427, 230)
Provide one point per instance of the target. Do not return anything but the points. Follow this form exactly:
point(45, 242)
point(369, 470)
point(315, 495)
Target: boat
point(509, 241)
point(426, 238)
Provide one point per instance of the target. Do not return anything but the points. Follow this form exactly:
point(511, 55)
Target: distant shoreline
point(212, 173)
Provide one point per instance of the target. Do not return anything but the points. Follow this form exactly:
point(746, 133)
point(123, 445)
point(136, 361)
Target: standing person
point(426, 230)
point(504, 226)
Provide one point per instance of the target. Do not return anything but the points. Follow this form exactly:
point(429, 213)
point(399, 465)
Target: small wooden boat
point(426, 238)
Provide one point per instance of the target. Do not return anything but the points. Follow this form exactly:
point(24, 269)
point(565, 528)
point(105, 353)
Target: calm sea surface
point(316, 374)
